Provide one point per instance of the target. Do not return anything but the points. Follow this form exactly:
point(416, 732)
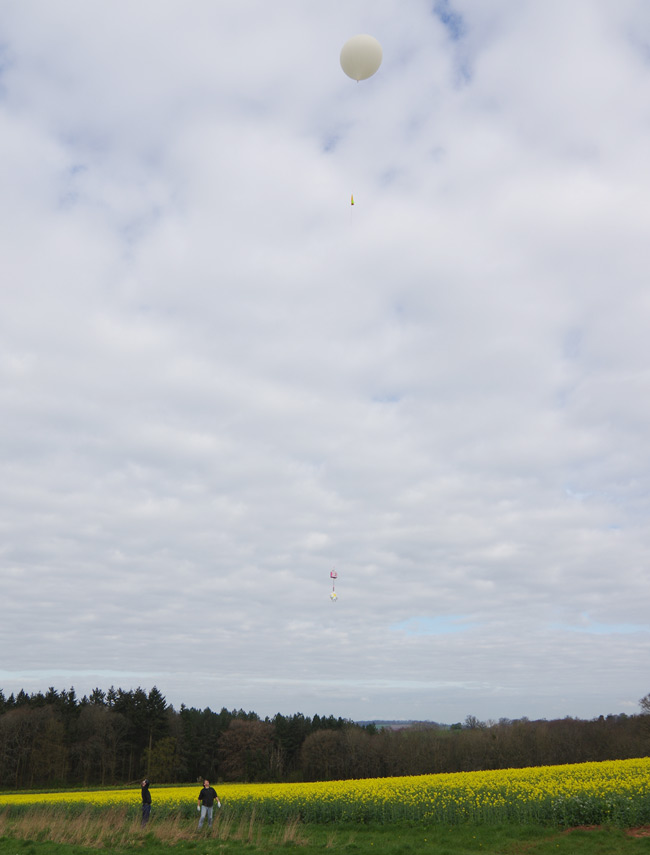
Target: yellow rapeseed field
point(616, 791)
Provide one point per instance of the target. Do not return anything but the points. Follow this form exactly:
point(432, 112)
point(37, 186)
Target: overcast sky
point(219, 380)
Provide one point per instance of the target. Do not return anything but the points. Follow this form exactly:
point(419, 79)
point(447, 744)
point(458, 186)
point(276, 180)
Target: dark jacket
point(207, 796)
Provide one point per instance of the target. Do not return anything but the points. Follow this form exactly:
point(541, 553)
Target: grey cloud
point(218, 380)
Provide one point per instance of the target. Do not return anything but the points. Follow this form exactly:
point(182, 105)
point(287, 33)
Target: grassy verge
point(48, 832)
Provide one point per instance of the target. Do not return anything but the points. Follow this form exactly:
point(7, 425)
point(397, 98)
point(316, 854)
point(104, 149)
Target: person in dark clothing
point(146, 802)
point(207, 798)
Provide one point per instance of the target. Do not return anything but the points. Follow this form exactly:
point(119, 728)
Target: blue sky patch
point(596, 628)
point(452, 21)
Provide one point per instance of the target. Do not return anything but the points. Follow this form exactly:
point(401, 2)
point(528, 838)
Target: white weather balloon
point(361, 57)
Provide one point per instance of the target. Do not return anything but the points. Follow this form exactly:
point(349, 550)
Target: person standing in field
point(207, 798)
point(146, 802)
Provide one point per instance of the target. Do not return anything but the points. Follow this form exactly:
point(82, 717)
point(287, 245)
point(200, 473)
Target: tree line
point(55, 739)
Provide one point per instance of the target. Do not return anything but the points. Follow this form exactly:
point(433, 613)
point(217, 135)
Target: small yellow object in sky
point(352, 199)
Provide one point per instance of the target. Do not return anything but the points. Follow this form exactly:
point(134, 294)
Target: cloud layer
point(218, 380)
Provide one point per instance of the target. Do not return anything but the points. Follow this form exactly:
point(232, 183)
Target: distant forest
point(115, 737)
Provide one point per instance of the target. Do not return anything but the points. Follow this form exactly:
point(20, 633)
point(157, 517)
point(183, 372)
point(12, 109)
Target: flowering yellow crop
point(615, 791)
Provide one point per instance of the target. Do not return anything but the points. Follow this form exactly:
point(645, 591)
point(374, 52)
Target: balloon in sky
point(361, 57)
